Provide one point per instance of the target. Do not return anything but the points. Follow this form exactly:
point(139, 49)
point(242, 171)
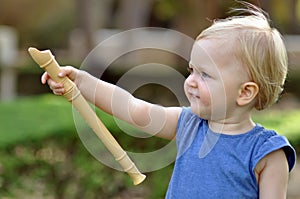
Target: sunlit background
point(41, 155)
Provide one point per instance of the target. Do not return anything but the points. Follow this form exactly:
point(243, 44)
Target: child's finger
point(67, 71)
point(59, 91)
point(54, 85)
point(44, 77)
point(64, 71)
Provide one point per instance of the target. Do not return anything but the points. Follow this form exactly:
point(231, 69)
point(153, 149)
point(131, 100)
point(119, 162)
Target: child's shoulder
point(268, 141)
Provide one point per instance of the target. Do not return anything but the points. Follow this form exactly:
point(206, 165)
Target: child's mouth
point(194, 95)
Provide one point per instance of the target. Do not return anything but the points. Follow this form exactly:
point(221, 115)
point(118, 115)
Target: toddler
point(236, 65)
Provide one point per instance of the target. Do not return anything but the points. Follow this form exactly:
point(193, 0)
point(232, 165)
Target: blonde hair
point(259, 47)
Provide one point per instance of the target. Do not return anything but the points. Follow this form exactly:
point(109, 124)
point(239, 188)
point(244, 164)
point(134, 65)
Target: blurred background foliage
point(39, 23)
point(41, 155)
point(48, 24)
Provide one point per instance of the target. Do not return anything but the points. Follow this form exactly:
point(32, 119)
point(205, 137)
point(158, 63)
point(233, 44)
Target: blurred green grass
point(34, 118)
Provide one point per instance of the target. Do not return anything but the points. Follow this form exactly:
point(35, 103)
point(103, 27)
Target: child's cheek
point(206, 100)
point(205, 95)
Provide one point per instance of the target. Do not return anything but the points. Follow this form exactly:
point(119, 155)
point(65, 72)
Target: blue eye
point(201, 74)
point(205, 75)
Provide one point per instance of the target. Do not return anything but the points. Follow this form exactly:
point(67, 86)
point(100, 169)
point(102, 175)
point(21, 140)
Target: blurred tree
point(40, 23)
point(195, 15)
point(47, 24)
point(89, 19)
point(133, 13)
point(163, 13)
point(85, 21)
point(294, 22)
point(284, 14)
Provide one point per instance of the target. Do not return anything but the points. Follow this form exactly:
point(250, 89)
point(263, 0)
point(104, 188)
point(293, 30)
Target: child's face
point(216, 76)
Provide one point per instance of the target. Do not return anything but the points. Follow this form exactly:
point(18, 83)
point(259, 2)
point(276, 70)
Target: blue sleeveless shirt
point(210, 165)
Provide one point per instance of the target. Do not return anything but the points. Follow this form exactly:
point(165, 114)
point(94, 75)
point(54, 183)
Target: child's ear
point(247, 93)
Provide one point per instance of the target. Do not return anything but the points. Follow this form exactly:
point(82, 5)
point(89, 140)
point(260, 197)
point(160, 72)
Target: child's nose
point(191, 80)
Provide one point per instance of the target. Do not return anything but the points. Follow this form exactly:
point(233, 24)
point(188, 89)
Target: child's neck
point(232, 126)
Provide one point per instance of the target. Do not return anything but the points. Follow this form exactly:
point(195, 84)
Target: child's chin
point(201, 113)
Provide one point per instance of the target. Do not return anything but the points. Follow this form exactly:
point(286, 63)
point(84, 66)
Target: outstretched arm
point(151, 118)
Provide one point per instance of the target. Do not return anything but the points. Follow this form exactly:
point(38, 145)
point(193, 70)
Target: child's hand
point(58, 88)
